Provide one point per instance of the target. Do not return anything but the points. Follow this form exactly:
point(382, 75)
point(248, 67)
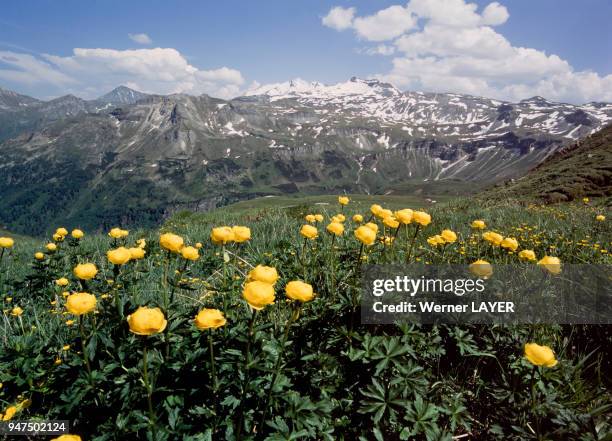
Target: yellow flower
point(136, 253)
point(58, 361)
point(171, 242)
point(391, 222)
point(388, 240)
point(510, 243)
point(449, 236)
point(404, 216)
point(435, 240)
point(141, 243)
point(600, 218)
point(85, 271)
point(540, 355)
point(421, 218)
point(62, 282)
point(358, 218)
point(300, 291)
point(493, 238)
point(339, 218)
point(266, 274)
point(258, 294)
point(9, 413)
point(550, 264)
point(190, 253)
point(67, 437)
point(481, 268)
point(80, 303)
point(6, 242)
point(336, 228)
point(309, 232)
point(527, 255)
point(209, 319)
point(58, 237)
point(66, 348)
point(310, 218)
point(118, 233)
point(372, 226)
point(383, 213)
point(319, 217)
point(585, 200)
point(365, 235)
point(16, 311)
point(61, 232)
point(51, 247)
point(375, 208)
point(119, 256)
point(479, 224)
point(198, 245)
point(39, 256)
point(147, 321)
point(77, 234)
point(221, 235)
point(241, 234)
point(69, 322)
point(343, 200)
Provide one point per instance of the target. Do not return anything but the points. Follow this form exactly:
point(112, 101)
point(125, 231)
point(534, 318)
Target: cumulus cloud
point(140, 38)
point(89, 72)
point(451, 46)
point(339, 18)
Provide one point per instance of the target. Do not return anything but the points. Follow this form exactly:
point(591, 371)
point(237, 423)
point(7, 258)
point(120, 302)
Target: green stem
point(245, 384)
point(212, 361)
point(149, 389)
point(85, 358)
point(534, 403)
point(409, 250)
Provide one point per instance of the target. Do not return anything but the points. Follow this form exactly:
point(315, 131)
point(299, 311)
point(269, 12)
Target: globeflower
point(479, 224)
point(77, 234)
point(404, 216)
point(62, 282)
point(510, 243)
point(550, 264)
point(375, 208)
point(16, 311)
point(600, 218)
point(6, 242)
point(300, 291)
point(241, 234)
point(449, 236)
point(527, 255)
point(358, 218)
point(119, 256)
point(85, 271)
point(335, 228)
point(171, 242)
point(343, 200)
point(51, 247)
point(221, 235)
point(258, 294)
point(58, 237)
point(261, 273)
point(339, 218)
point(67, 437)
point(147, 321)
point(435, 240)
point(309, 232)
point(481, 268)
point(136, 253)
point(118, 233)
point(319, 217)
point(190, 253)
point(80, 303)
point(310, 218)
point(383, 213)
point(493, 238)
point(61, 232)
point(391, 222)
point(540, 355)
point(209, 319)
point(421, 218)
point(9, 413)
point(365, 235)
point(372, 226)
point(39, 256)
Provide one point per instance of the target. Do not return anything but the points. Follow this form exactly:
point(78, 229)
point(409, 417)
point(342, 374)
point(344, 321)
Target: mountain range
point(129, 156)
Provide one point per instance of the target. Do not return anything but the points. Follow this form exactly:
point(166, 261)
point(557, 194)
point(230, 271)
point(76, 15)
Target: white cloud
point(90, 72)
point(140, 38)
point(449, 46)
point(339, 18)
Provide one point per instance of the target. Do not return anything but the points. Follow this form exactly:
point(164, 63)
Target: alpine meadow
point(187, 256)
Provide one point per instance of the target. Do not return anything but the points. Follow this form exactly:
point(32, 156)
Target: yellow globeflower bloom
point(85, 271)
point(600, 218)
point(404, 216)
point(67, 437)
point(80, 303)
point(62, 282)
point(510, 243)
point(550, 264)
point(258, 294)
point(16, 311)
point(310, 218)
point(51, 247)
point(6, 242)
point(39, 256)
point(117, 233)
point(318, 217)
point(309, 232)
point(336, 228)
point(77, 234)
point(119, 256)
point(365, 235)
point(358, 218)
point(527, 255)
point(339, 218)
point(449, 236)
point(147, 321)
point(261, 273)
point(421, 218)
point(540, 355)
point(241, 234)
point(435, 240)
point(343, 200)
point(171, 242)
point(136, 253)
point(493, 238)
point(391, 222)
point(300, 291)
point(209, 319)
point(190, 253)
point(481, 268)
point(142, 243)
point(585, 200)
point(375, 208)
point(58, 237)
point(221, 235)
point(372, 226)
point(61, 232)
point(9, 413)
point(383, 213)
point(479, 224)
point(198, 245)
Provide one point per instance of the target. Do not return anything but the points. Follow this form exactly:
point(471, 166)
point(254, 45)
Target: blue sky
point(274, 41)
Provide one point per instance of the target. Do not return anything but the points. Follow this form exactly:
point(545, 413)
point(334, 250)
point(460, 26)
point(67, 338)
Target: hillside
point(583, 169)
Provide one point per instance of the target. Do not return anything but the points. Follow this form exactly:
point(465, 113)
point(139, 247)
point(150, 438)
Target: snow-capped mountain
point(167, 152)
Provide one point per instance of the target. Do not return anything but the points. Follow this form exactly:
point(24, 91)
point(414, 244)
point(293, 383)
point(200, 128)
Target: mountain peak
point(122, 95)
